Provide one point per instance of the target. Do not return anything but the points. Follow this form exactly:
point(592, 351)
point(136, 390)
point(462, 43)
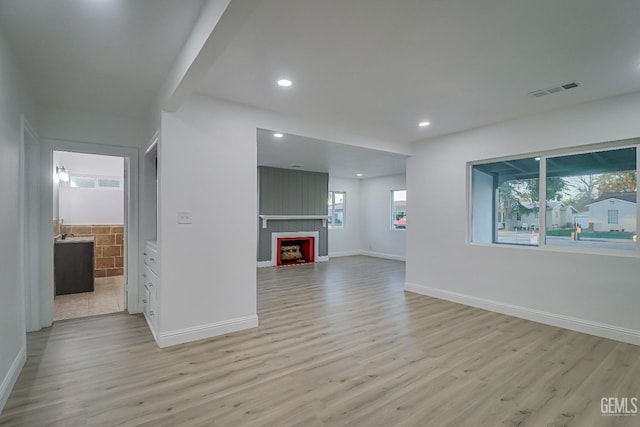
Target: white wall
point(208, 151)
point(14, 100)
point(84, 206)
point(92, 128)
point(346, 241)
point(594, 293)
point(377, 237)
point(208, 161)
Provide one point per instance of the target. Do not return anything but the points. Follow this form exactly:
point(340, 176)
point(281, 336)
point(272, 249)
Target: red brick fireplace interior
point(295, 250)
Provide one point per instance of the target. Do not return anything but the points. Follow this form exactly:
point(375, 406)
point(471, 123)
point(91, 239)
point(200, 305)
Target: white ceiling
point(382, 66)
point(339, 160)
point(372, 66)
point(108, 56)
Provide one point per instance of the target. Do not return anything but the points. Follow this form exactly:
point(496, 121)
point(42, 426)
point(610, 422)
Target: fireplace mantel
point(266, 218)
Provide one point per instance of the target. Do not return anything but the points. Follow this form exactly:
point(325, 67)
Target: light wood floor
point(339, 344)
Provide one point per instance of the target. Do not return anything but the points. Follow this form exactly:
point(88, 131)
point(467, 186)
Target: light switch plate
point(184, 217)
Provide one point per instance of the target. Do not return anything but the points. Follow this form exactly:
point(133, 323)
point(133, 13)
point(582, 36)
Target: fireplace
point(308, 241)
point(295, 250)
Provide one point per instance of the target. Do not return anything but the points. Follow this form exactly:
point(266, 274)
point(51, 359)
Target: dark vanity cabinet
point(73, 264)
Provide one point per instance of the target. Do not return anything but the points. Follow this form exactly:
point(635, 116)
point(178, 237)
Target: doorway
point(89, 226)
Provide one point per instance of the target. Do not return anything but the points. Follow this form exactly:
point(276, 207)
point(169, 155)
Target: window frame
point(332, 218)
point(544, 155)
point(392, 213)
point(97, 181)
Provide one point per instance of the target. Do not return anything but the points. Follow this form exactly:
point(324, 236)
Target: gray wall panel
point(291, 192)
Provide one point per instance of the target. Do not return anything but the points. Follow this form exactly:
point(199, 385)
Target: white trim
point(131, 156)
point(29, 223)
point(604, 330)
point(276, 236)
point(322, 258)
point(180, 336)
point(149, 323)
point(344, 253)
point(153, 143)
point(262, 264)
point(383, 255)
point(266, 218)
point(9, 381)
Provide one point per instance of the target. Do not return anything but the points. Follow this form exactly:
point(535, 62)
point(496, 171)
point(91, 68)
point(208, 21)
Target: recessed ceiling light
point(358, 174)
point(278, 135)
point(284, 82)
point(537, 159)
point(423, 124)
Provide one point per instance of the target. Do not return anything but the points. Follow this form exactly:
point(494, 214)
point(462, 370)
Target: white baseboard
point(382, 255)
point(151, 328)
point(604, 330)
point(322, 259)
point(344, 253)
point(262, 264)
point(10, 379)
point(166, 339)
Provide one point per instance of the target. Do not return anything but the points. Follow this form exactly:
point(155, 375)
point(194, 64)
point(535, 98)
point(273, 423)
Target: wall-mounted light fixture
point(61, 174)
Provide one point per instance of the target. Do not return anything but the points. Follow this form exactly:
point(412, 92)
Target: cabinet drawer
point(150, 280)
point(151, 258)
point(151, 310)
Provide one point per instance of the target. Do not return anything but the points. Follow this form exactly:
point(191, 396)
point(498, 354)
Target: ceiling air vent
point(554, 89)
point(539, 93)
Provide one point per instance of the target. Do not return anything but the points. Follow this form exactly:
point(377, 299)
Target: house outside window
point(336, 209)
point(399, 209)
point(612, 217)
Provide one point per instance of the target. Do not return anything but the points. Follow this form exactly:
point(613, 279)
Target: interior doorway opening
point(89, 229)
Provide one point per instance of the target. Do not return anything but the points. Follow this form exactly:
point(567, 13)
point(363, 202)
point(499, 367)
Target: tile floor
point(108, 297)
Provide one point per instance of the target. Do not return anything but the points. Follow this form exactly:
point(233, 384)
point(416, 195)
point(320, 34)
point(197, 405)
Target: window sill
point(561, 249)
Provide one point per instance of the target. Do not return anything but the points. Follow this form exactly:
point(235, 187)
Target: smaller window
point(613, 216)
point(398, 209)
point(82, 181)
point(108, 183)
point(336, 209)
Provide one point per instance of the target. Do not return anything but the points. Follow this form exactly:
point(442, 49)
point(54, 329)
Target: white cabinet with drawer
point(151, 282)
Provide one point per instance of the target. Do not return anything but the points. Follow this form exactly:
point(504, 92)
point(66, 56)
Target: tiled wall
point(107, 246)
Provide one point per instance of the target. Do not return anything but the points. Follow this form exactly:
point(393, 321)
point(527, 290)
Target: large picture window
point(337, 201)
point(590, 200)
point(399, 209)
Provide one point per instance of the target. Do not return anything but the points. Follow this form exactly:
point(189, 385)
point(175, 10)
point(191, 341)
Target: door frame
point(131, 203)
point(29, 229)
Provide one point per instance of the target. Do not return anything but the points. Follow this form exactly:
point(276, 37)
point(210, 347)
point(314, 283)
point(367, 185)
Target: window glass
point(399, 209)
point(594, 203)
point(82, 181)
point(505, 202)
point(336, 209)
point(108, 183)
